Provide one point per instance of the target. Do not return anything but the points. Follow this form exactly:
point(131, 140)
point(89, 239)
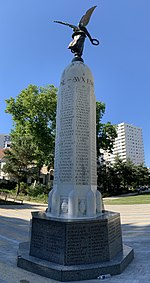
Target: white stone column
point(75, 170)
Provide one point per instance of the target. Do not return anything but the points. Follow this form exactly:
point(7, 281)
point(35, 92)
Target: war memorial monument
point(75, 238)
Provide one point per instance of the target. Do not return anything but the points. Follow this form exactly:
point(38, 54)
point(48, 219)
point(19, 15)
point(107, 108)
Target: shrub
point(7, 185)
point(23, 188)
point(35, 190)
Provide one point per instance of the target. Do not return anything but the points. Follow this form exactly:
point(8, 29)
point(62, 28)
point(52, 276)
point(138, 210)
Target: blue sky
point(33, 50)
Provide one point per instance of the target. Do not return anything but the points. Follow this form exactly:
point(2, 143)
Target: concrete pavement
point(14, 228)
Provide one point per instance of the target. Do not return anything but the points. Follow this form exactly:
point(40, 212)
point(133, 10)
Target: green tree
point(125, 173)
point(106, 178)
point(117, 178)
point(105, 137)
point(105, 133)
point(19, 161)
point(129, 174)
point(34, 116)
point(142, 176)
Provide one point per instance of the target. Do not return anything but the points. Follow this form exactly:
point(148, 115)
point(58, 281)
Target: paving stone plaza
point(14, 228)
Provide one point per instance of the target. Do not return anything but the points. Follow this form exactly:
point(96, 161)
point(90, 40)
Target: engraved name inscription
point(75, 147)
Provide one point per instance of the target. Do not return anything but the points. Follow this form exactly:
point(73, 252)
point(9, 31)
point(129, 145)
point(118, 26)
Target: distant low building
point(46, 176)
point(2, 163)
point(4, 141)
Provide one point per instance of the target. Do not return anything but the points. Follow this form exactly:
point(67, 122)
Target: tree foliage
point(20, 161)
point(121, 176)
point(105, 133)
point(33, 136)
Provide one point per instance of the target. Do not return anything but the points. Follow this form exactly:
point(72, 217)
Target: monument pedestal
point(75, 240)
point(71, 250)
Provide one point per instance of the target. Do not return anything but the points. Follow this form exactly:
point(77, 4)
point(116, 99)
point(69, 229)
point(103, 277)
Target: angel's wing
point(66, 24)
point(85, 19)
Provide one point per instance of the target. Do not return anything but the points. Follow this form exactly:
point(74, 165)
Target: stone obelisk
point(75, 239)
point(75, 193)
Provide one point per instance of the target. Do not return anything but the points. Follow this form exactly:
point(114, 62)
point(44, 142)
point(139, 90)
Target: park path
point(14, 228)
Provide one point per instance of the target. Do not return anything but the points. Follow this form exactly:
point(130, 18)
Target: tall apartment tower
point(127, 145)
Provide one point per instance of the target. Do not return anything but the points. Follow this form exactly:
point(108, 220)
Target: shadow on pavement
point(25, 206)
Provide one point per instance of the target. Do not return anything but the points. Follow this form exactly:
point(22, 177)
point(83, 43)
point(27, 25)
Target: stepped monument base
point(67, 250)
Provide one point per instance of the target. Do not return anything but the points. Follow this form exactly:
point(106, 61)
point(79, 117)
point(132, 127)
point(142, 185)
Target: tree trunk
point(18, 187)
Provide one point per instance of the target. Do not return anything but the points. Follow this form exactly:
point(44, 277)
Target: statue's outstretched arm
point(66, 24)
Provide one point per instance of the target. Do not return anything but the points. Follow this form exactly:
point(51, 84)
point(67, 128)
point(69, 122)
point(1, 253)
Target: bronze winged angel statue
point(79, 34)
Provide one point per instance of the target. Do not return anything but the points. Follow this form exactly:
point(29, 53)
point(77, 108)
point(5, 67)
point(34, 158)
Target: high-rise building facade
point(127, 145)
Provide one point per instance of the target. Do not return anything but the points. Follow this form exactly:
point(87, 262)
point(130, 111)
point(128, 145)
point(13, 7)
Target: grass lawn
point(21, 198)
point(143, 198)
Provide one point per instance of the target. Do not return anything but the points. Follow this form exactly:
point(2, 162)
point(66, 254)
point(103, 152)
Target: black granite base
point(75, 272)
point(70, 250)
point(70, 242)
